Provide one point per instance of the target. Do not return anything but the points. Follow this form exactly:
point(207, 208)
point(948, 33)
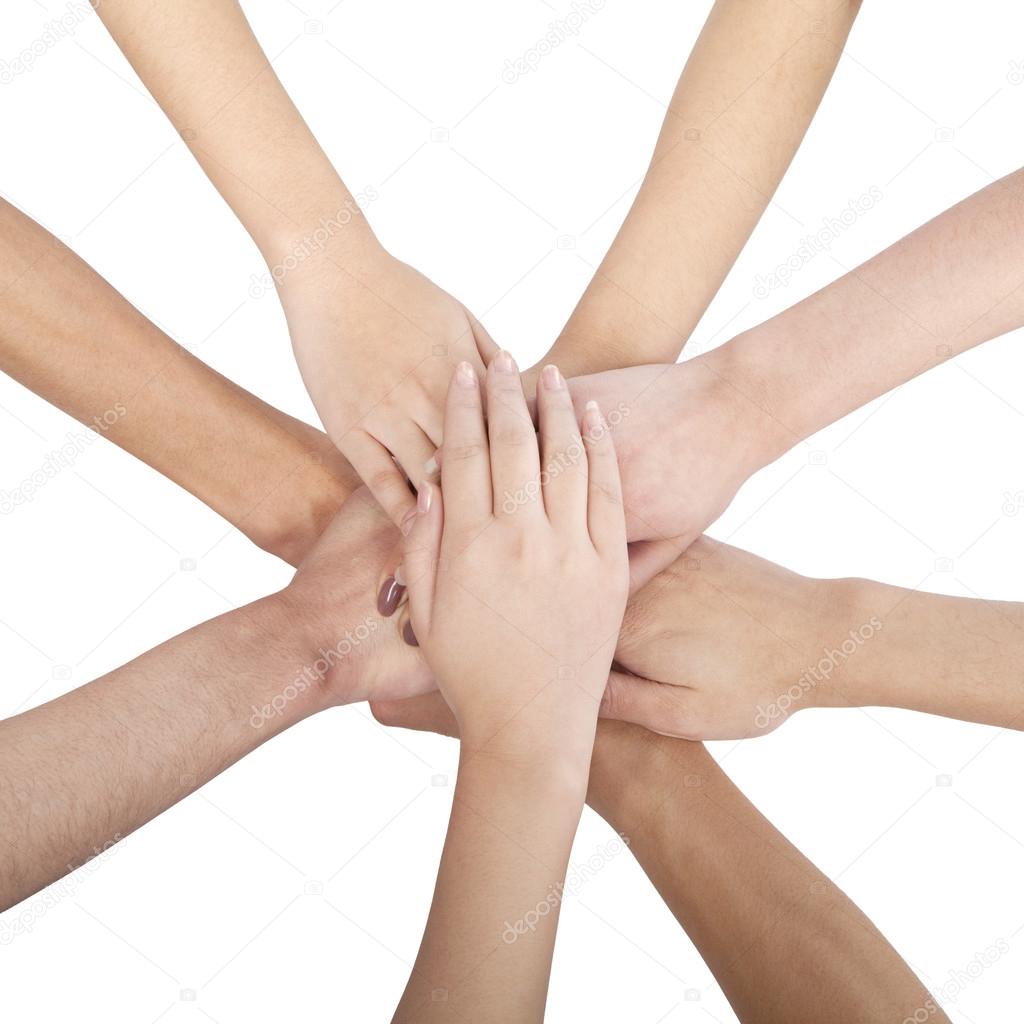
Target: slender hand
point(85, 770)
point(757, 910)
point(748, 92)
point(689, 435)
point(521, 648)
point(374, 339)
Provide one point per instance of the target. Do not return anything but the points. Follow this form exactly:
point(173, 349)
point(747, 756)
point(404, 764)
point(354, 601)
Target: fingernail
point(465, 375)
point(408, 635)
point(430, 467)
point(410, 518)
point(390, 594)
point(399, 577)
point(552, 378)
point(424, 499)
point(593, 420)
point(503, 362)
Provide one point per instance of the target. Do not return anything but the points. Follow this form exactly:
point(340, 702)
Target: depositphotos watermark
point(59, 459)
point(31, 912)
point(818, 242)
point(957, 981)
point(307, 247)
point(572, 456)
point(831, 659)
point(54, 31)
point(558, 32)
point(310, 675)
point(576, 878)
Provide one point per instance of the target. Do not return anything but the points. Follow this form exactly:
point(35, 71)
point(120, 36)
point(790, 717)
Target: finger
point(485, 344)
point(432, 467)
point(412, 447)
point(605, 514)
point(660, 707)
point(421, 547)
point(563, 458)
point(647, 558)
point(515, 465)
point(466, 473)
point(374, 464)
point(427, 712)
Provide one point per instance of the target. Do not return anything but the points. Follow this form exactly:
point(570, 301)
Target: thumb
point(661, 707)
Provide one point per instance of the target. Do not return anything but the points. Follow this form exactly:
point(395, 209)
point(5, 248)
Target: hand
point(688, 435)
point(353, 651)
point(376, 346)
point(792, 642)
point(517, 578)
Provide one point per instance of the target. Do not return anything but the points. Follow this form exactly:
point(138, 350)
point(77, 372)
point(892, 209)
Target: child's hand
point(518, 577)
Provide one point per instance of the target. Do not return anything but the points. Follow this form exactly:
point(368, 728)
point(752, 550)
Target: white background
point(210, 899)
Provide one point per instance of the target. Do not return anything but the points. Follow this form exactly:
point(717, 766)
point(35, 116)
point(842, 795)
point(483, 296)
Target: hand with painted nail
point(376, 347)
point(517, 578)
point(516, 566)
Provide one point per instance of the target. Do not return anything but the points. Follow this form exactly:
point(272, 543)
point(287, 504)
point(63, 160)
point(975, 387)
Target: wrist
point(556, 781)
point(852, 615)
point(764, 396)
point(330, 233)
point(277, 692)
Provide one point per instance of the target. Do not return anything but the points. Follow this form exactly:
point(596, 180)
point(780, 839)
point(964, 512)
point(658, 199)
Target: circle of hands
point(519, 559)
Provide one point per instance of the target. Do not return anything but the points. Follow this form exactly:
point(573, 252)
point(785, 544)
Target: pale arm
point(747, 94)
point(374, 339)
point(504, 864)
point(692, 433)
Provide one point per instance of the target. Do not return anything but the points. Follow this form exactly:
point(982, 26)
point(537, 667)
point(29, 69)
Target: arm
point(758, 911)
point(745, 99)
point(785, 943)
point(800, 643)
point(952, 284)
point(85, 770)
point(521, 649)
point(66, 334)
point(374, 339)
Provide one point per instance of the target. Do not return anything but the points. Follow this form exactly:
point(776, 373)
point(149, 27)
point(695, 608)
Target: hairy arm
point(83, 771)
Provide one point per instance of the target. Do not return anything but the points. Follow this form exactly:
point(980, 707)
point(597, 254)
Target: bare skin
point(88, 768)
point(375, 340)
point(521, 649)
point(750, 901)
point(751, 86)
point(797, 643)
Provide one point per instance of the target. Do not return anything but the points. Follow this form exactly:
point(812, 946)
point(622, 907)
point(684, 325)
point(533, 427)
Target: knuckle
point(510, 435)
point(463, 452)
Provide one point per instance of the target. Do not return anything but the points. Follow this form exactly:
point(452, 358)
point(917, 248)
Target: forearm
point(783, 941)
point(204, 66)
point(952, 284)
point(66, 334)
point(742, 106)
point(952, 656)
point(88, 768)
point(491, 930)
